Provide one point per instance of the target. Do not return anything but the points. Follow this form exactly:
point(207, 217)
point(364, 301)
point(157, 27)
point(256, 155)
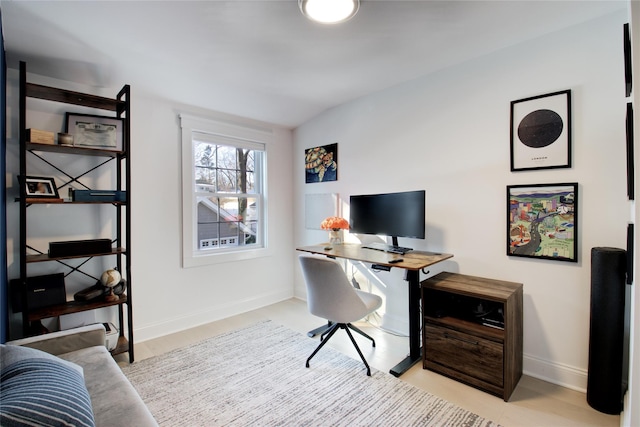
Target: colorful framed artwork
point(542, 221)
point(321, 163)
point(541, 132)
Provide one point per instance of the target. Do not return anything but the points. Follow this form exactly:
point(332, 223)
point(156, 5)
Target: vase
point(335, 236)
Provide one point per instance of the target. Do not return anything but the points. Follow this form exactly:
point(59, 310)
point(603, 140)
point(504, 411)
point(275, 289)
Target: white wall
point(166, 297)
point(169, 297)
point(448, 133)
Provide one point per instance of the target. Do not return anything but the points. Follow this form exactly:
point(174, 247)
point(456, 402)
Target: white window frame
point(246, 135)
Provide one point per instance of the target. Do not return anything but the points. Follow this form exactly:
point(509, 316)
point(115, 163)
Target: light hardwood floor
point(533, 403)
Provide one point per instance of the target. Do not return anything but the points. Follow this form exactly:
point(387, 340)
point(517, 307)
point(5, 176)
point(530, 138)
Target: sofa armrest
point(61, 342)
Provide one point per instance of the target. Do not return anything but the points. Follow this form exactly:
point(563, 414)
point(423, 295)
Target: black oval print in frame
point(540, 128)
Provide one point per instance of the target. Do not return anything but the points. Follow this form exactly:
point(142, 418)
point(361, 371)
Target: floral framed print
point(542, 221)
point(541, 132)
point(321, 163)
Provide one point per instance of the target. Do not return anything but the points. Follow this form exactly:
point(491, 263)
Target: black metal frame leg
point(415, 349)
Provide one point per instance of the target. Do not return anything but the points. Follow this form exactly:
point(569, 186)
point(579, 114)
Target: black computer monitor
point(390, 214)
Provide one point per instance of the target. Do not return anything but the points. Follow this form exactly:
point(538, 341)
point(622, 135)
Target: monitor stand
point(393, 248)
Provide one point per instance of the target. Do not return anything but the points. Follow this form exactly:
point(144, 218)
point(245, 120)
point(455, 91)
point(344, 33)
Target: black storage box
point(79, 247)
point(98, 196)
point(42, 291)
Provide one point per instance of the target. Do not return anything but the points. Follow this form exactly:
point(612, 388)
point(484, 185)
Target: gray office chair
point(331, 296)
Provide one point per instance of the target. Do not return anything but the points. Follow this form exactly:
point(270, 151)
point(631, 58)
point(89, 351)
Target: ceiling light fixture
point(329, 11)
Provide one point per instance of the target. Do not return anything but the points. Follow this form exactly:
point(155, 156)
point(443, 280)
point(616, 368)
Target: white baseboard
point(396, 324)
point(555, 373)
point(211, 314)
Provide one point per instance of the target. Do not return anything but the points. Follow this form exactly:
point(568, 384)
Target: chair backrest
point(329, 293)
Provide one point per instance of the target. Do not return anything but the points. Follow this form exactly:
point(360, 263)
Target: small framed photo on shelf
point(542, 221)
point(40, 188)
point(541, 132)
point(96, 132)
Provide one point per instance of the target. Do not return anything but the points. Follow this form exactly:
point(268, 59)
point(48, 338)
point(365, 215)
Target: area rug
point(257, 376)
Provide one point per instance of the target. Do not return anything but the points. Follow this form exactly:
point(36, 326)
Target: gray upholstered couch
point(113, 400)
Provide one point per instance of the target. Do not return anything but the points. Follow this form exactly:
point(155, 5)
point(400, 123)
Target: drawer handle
point(446, 335)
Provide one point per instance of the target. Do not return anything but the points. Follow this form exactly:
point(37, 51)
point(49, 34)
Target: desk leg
point(415, 353)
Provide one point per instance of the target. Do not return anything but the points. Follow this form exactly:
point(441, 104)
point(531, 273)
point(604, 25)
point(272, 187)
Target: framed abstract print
point(542, 221)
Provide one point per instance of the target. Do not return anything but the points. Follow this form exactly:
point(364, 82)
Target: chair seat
point(371, 301)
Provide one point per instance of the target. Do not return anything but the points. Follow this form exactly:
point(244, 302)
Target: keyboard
point(387, 248)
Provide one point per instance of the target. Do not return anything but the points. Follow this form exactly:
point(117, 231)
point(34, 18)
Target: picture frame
point(628, 63)
point(630, 153)
point(630, 253)
point(541, 132)
point(95, 132)
point(542, 221)
point(321, 163)
point(38, 187)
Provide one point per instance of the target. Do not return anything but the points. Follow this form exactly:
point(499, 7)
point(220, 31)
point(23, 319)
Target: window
point(223, 191)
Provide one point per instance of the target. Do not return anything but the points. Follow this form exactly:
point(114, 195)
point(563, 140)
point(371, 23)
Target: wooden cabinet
point(63, 160)
point(473, 331)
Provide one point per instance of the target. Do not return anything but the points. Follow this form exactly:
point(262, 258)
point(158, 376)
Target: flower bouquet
point(335, 225)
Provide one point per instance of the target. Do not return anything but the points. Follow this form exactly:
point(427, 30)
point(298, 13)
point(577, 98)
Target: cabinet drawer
point(471, 355)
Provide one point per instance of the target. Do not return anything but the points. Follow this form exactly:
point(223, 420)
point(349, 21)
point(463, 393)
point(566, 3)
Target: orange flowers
point(334, 223)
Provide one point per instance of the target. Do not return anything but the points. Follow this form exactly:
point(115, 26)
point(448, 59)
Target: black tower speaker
point(606, 329)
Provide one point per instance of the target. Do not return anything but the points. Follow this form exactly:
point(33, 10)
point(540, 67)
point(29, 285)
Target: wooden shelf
point(31, 201)
point(70, 97)
point(42, 200)
point(55, 148)
point(46, 257)
point(73, 307)
point(71, 202)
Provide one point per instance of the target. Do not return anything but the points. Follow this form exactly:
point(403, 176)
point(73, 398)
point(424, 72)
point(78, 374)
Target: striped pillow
point(43, 392)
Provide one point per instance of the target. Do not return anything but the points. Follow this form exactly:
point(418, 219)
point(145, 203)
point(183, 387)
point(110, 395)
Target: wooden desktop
point(413, 262)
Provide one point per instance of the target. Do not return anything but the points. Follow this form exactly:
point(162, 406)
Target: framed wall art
point(37, 187)
point(541, 132)
point(97, 132)
point(628, 75)
point(542, 221)
point(630, 257)
point(630, 153)
point(321, 163)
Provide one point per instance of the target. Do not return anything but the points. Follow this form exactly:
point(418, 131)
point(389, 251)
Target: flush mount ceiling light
point(329, 11)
